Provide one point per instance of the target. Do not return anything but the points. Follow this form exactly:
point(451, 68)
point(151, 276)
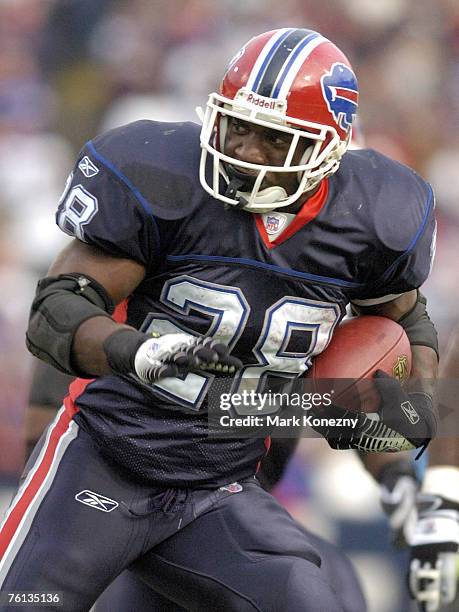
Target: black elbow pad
point(62, 303)
point(418, 326)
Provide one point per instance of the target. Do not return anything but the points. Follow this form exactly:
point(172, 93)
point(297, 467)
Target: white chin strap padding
point(270, 195)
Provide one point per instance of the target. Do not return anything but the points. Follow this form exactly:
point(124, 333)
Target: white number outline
point(300, 361)
point(91, 207)
point(195, 385)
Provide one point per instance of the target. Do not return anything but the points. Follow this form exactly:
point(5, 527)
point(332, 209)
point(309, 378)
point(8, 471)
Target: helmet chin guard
point(291, 80)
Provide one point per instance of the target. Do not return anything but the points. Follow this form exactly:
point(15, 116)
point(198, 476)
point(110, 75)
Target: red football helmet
point(291, 80)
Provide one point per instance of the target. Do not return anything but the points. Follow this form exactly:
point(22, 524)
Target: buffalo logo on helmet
point(340, 91)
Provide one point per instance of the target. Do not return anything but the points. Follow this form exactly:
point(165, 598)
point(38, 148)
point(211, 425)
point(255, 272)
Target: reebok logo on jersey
point(97, 501)
point(87, 167)
point(410, 412)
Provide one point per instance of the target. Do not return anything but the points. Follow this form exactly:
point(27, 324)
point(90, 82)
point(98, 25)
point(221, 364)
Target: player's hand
point(174, 354)
point(410, 414)
point(433, 571)
point(369, 434)
point(403, 422)
point(398, 489)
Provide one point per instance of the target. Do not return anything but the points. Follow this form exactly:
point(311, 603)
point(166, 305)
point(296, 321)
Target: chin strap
point(234, 186)
point(238, 182)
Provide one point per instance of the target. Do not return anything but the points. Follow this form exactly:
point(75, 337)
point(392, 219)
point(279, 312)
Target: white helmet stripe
point(265, 55)
point(292, 66)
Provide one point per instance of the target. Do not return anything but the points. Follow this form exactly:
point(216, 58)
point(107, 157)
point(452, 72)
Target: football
point(358, 348)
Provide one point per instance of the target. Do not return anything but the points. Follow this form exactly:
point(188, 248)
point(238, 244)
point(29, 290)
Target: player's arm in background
point(434, 567)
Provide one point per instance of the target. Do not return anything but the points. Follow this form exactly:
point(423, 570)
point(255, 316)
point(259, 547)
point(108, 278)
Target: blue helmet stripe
point(289, 64)
point(281, 54)
point(268, 59)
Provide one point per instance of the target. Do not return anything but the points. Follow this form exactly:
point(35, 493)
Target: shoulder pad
point(159, 161)
point(395, 198)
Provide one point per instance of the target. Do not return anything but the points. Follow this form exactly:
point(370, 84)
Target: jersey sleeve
point(407, 269)
point(101, 207)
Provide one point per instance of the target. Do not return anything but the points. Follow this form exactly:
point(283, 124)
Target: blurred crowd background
point(72, 68)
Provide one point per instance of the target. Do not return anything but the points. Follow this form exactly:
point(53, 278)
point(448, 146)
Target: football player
point(128, 592)
point(164, 289)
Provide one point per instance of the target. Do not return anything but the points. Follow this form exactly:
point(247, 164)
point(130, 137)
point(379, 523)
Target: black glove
point(403, 422)
point(151, 359)
point(174, 354)
point(410, 414)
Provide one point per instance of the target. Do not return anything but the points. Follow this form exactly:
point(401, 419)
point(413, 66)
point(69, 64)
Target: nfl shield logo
point(272, 223)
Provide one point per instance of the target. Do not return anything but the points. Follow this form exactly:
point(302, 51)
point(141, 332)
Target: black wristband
point(121, 347)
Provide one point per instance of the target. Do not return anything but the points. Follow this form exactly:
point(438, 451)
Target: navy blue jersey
point(135, 193)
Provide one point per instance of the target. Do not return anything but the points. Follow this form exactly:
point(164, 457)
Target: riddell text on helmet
point(264, 103)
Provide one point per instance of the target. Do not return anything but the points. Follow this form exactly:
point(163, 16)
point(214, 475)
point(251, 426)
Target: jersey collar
point(310, 209)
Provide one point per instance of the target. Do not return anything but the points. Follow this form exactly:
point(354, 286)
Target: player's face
point(256, 144)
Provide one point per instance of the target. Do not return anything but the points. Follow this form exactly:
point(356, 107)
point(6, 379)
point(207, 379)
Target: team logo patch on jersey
point(400, 368)
point(339, 89)
point(87, 167)
point(234, 487)
point(97, 501)
point(275, 223)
